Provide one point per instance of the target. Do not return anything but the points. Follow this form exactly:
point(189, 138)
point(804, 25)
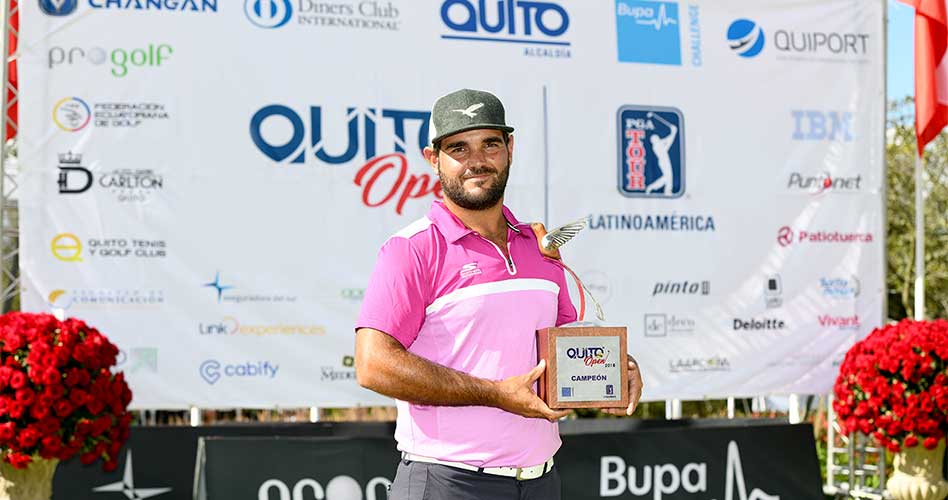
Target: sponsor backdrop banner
point(208, 182)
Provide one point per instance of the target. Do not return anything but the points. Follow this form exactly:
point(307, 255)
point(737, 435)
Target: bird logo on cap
point(470, 111)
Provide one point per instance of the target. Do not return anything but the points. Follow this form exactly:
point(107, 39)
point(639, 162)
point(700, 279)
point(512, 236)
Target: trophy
point(586, 366)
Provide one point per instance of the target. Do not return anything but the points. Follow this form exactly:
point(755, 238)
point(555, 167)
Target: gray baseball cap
point(466, 109)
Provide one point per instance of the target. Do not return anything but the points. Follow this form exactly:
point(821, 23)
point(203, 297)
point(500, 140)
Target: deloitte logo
point(268, 13)
point(745, 37)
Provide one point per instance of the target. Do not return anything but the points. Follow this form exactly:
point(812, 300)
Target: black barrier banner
point(600, 459)
point(159, 462)
point(296, 468)
point(742, 463)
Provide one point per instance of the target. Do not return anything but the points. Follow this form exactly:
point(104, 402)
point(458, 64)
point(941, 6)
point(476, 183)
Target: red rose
point(7, 431)
point(26, 396)
point(50, 447)
point(48, 426)
point(18, 460)
point(28, 437)
point(88, 458)
point(39, 412)
point(78, 397)
point(15, 409)
point(110, 465)
point(911, 441)
point(930, 443)
point(62, 408)
point(17, 380)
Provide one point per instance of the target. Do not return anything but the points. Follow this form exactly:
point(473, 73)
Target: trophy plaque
point(586, 367)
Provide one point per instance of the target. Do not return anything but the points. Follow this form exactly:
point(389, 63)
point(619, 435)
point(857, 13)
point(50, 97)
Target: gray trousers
point(424, 481)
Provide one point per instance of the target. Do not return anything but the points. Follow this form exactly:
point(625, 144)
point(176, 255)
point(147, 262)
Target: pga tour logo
point(651, 152)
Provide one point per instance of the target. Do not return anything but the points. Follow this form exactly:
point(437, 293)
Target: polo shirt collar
point(453, 229)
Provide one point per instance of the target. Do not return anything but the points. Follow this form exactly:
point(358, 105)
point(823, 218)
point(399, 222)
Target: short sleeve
point(566, 312)
point(394, 300)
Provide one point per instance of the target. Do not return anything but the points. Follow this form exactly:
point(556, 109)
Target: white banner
point(208, 182)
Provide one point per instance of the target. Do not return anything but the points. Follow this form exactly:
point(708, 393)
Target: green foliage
point(900, 199)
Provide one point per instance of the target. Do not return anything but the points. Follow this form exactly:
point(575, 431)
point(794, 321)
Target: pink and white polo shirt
point(449, 295)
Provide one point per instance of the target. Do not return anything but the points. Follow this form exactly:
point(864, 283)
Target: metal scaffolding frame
point(851, 461)
point(9, 207)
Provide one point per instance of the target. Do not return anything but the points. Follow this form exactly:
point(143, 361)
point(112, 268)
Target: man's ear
point(431, 157)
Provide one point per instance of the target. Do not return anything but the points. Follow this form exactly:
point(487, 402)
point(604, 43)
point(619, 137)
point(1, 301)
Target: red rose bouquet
point(58, 397)
point(894, 385)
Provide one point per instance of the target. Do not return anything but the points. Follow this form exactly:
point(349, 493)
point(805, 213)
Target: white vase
point(32, 483)
point(917, 474)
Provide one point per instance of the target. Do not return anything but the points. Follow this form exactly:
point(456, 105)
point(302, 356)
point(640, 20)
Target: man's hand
point(516, 396)
point(384, 366)
point(635, 390)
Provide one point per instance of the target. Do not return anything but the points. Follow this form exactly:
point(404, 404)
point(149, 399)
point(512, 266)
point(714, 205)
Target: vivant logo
point(745, 37)
point(384, 179)
point(615, 477)
point(648, 32)
point(840, 322)
point(651, 152)
point(58, 7)
point(513, 21)
point(268, 13)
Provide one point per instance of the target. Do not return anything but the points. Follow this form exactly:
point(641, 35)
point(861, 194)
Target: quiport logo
point(746, 38)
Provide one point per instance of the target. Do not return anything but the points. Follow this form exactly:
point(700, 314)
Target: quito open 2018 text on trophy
point(586, 366)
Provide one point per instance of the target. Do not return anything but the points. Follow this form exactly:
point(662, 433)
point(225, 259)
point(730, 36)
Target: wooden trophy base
point(586, 367)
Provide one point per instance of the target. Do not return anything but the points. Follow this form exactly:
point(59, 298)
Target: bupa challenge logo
point(651, 152)
point(746, 37)
point(648, 32)
point(58, 7)
point(268, 13)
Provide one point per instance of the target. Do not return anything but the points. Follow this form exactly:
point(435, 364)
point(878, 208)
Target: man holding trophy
point(449, 326)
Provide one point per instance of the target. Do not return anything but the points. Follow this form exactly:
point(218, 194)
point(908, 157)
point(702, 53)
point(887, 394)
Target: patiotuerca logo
point(651, 152)
point(537, 27)
point(384, 175)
